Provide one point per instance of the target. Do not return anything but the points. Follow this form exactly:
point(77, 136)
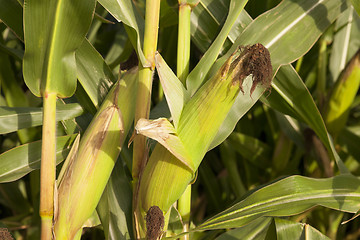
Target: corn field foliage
point(179, 119)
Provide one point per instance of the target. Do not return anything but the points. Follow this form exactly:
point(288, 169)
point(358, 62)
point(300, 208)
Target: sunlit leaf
point(290, 196)
point(176, 94)
point(53, 30)
point(93, 73)
point(279, 32)
point(345, 43)
point(13, 119)
point(125, 11)
point(199, 73)
point(21, 160)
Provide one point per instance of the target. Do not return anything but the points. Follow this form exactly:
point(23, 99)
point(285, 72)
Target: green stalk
point(183, 59)
point(143, 98)
point(184, 208)
point(145, 80)
point(183, 50)
point(47, 172)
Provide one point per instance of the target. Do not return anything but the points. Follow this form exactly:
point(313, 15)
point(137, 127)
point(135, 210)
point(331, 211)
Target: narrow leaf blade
point(19, 161)
point(290, 196)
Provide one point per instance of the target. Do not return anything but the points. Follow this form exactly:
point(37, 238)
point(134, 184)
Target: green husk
point(86, 176)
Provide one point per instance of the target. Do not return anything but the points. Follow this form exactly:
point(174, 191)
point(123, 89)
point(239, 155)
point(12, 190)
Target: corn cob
point(86, 176)
point(172, 164)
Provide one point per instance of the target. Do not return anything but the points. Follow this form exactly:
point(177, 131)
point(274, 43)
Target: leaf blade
point(293, 195)
point(21, 160)
point(52, 33)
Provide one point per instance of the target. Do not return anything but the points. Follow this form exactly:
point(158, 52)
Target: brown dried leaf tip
point(154, 223)
point(258, 63)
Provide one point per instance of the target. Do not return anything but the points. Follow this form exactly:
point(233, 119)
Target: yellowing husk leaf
point(343, 96)
point(165, 177)
point(164, 132)
point(86, 176)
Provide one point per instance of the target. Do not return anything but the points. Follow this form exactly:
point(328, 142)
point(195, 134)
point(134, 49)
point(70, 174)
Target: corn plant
point(188, 119)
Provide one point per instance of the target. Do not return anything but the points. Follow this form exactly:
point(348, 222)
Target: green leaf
point(230, 162)
point(206, 18)
point(294, 93)
point(114, 208)
point(93, 73)
point(345, 43)
point(125, 11)
point(291, 128)
point(342, 96)
point(14, 94)
point(13, 197)
point(290, 196)
point(256, 230)
point(356, 5)
point(11, 14)
point(175, 93)
point(279, 32)
point(16, 53)
point(53, 30)
point(274, 30)
point(349, 139)
point(286, 229)
point(253, 150)
point(19, 161)
point(199, 73)
point(13, 119)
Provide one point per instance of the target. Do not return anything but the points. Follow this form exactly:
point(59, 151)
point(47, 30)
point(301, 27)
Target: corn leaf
point(252, 149)
point(53, 30)
point(114, 208)
point(356, 5)
point(13, 119)
point(346, 41)
point(19, 161)
point(282, 31)
point(11, 14)
point(199, 73)
point(256, 230)
point(349, 139)
point(206, 19)
point(298, 98)
point(175, 93)
point(125, 11)
point(290, 196)
point(14, 94)
point(93, 73)
point(342, 96)
point(286, 229)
